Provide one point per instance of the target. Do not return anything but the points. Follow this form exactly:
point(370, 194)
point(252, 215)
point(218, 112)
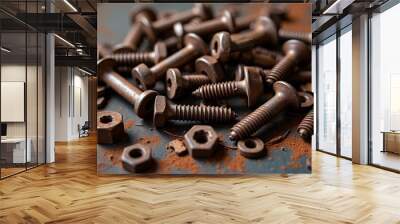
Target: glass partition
point(327, 95)
point(385, 89)
point(22, 78)
point(345, 58)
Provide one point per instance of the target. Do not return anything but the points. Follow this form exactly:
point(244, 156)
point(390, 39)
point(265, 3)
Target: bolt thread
point(252, 122)
point(204, 113)
point(218, 90)
point(279, 71)
point(132, 59)
point(195, 81)
point(306, 126)
point(288, 35)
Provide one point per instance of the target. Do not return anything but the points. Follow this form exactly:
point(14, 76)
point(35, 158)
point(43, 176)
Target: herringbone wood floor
point(69, 191)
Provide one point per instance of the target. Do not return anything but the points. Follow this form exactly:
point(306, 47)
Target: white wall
point(71, 94)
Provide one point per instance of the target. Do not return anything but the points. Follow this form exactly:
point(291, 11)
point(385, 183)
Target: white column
point(360, 90)
point(50, 99)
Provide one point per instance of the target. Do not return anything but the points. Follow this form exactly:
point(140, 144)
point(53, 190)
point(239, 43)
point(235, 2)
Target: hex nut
point(110, 127)
point(136, 158)
point(200, 140)
point(251, 148)
point(210, 66)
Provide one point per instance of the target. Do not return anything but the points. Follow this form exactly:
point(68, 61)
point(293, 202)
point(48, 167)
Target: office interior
point(355, 161)
point(357, 81)
point(47, 79)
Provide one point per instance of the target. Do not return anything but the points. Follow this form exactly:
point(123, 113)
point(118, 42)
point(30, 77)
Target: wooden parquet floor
point(69, 191)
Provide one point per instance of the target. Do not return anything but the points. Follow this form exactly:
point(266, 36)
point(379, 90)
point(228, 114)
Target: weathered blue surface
point(225, 161)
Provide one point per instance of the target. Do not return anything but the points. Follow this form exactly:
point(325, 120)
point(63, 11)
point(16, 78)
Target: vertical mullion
point(26, 86)
point(338, 73)
point(369, 100)
point(316, 120)
point(37, 89)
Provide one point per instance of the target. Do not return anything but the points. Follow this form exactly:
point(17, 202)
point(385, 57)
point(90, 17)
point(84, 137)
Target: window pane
point(385, 84)
point(327, 95)
point(346, 92)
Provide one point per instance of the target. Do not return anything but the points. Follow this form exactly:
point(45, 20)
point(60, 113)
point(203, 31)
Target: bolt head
point(144, 104)
point(298, 48)
point(148, 29)
point(160, 116)
point(104, 65)
point(229, 21)
point(221, 46)
point(174, 83)
point(286, 90)
point(200, 140)
point(254, 84)
point(143, 77)
point(179, 31)
point(251, 148)
point(160, 51)
point(199, 45)
point(203, 11)
point(143, 11)
point(306, 100)
point(136, 158)
point(268, 27)
point(210, 66)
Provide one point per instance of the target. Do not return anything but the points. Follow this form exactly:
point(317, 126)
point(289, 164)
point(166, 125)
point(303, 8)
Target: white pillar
point(360, 90)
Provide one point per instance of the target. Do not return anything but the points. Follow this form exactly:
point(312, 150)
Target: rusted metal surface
point(286, 151)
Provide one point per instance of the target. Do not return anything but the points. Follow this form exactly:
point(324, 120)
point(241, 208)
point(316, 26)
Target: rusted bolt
point(251, 148)
point(300, 77)
point(306, 100)
point(306, 126)
point(146, 77)
point(293, 35)
point(251, 70)
point(134, 58)
point(141, 100)
point(251, 86)
point(223, 43)
point(201, 140)
point(295, 52)
point(257, 56)
point(153, 29)
point(110, 127)
point(165, 110)
point(209, 66)
point(223, 23)
point(285, 97)
point(177, 84)
point(132, 39)
point(136, 158)
point(101, 102)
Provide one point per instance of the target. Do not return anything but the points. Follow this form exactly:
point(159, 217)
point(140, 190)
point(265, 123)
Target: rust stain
point(177, 146)
point(298, 146)
point(149, 140)
point(114, 155)
point(235, 164)
point(174, 161)
point(129, 123)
